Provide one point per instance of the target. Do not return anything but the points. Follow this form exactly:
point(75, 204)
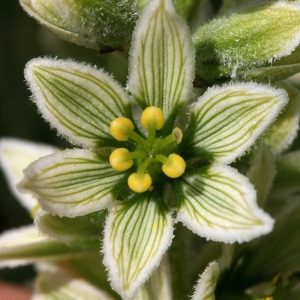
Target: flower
point(150, 153)
point(74, 242)
point(257, 268)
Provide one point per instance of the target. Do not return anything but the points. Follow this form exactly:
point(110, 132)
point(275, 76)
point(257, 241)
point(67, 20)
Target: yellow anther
point(120, 127)
point(139, 183)
point(153, 115)
point(119, 159)
point(175, 166)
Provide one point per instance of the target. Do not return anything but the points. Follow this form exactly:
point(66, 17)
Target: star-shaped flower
point(147, 150)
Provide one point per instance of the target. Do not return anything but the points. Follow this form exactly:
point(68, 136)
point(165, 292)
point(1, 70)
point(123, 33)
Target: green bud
point(250, 38)
point(99, 24)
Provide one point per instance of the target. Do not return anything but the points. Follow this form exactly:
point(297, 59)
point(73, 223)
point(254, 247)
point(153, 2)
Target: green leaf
point(287, 180)
point(266, 260)
point(159, 284)
point(161, 65)
point(184, 249)
point(91, 268)
point(285, 284)
point(25, 245)
point(205, 288)
point(249, 36)
point(227, 120)
point(15, 156)
point(137, 234)
point(60, 285)
point(262, 173)
point(286, 187)
point(102, 24)
point(78, 100)
point(72, 182)
point(220, 204)
point(226, 258)
point(89, 226)
point(284, 130)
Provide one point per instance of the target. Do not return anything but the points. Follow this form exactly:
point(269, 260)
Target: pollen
point(175, 166)
point(120, 127)
point(153, 116)
point(120, 160)
point(139, 183)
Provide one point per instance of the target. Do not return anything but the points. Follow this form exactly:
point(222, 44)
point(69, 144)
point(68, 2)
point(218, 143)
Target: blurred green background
point(22, 39)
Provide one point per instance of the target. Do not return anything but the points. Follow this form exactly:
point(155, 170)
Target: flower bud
point(102, 24)
point(248, 38)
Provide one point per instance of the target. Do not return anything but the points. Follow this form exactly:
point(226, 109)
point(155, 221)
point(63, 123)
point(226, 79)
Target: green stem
point(136, 154)
point(163, 159)
point(167, 140)
point(142, 168)
point(137, 138)
point(151, 133)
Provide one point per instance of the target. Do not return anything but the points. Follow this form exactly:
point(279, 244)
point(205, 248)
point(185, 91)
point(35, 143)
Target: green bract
point(211, 197)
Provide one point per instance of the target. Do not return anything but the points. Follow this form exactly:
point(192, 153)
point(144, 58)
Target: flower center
point(148, 152)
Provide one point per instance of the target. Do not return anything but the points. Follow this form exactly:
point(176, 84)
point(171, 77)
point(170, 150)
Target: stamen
point(139, 183)
point(120, 127)
point(177, 132)
point(153, 119)
point(154, 116)
point(174, 137)
point(120, 159)
point(161, 158)
point(175, 166)
point(147, 150)
point(171, 138)
point(142, 168)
